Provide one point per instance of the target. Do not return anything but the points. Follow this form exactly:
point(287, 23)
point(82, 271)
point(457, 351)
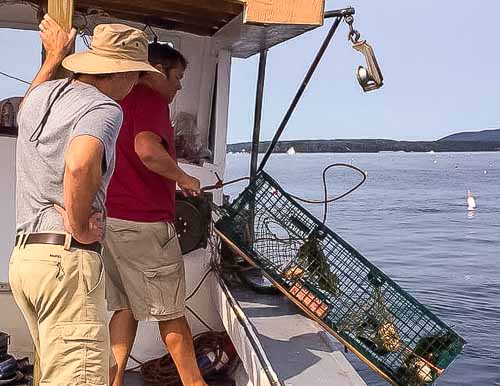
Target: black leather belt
point(58, 239)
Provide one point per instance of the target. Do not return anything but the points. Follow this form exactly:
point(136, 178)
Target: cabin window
point(8, 113)
point(8, 131)
point(193, 139)
point(193, 146)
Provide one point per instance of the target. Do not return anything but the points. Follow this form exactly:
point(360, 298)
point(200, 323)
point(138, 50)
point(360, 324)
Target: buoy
point(471, 201)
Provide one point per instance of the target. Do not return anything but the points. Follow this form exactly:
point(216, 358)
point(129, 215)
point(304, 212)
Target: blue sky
point(438, 58)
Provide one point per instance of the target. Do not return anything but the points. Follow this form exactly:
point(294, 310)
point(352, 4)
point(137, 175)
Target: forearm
point(80, 189)
point(47, 71)
point(159, 161)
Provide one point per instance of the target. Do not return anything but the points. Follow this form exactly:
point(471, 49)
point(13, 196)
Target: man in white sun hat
point(65, 159)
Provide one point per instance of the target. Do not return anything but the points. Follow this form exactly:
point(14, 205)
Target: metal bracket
point(369, 78)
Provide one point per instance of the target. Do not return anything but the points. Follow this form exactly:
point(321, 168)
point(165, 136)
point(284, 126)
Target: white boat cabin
point(209, 33)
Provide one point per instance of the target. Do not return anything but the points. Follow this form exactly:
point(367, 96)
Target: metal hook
point(219, 184)
point(353, 34)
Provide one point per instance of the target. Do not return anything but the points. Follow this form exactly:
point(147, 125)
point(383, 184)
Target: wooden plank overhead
point(299, 12)
point(200, 17)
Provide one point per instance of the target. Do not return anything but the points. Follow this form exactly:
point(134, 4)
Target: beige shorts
point(61, 295)
point(144, 269)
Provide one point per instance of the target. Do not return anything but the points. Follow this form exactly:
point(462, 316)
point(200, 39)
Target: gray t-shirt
point(79, 109)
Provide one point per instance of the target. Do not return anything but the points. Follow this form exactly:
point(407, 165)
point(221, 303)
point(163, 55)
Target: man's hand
point(95, 229)
point(56, 41)
point(189, 185)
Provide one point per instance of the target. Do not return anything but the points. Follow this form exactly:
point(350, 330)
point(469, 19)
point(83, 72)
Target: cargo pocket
point(123, 231)
point(84, 353)
point(169, 247)
point(165, 289)
point(92, 271)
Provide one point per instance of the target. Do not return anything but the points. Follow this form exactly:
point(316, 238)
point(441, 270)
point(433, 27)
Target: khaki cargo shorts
point(61, 295)
point(144, 269)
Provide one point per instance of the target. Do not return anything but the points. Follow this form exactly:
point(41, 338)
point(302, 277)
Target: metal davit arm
point(339, 13)
point(258, 113)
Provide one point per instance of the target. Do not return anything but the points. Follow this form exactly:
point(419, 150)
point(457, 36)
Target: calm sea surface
point(410, 219)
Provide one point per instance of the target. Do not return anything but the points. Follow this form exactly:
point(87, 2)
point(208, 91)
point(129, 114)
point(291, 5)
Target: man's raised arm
point(57, 44)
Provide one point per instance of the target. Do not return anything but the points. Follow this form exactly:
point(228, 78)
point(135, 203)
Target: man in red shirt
point(144, 266)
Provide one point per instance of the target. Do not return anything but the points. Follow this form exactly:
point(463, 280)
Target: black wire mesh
point(359, 303)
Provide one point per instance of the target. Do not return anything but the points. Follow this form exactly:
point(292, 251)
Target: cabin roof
point(199, 17)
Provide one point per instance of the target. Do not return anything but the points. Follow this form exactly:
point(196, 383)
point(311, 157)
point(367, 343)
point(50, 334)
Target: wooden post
point(62, 12)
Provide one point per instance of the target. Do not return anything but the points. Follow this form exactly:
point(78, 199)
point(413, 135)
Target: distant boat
point(291, 151)
point(471, 201)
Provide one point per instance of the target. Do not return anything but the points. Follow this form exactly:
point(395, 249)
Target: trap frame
point(334, 284)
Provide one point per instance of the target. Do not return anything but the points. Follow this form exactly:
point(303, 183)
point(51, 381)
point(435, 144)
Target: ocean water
point(410, 219)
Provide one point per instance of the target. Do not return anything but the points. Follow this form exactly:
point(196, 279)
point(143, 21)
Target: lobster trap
point(334, 284)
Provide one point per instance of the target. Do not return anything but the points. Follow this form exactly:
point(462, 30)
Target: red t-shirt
point(136, 193)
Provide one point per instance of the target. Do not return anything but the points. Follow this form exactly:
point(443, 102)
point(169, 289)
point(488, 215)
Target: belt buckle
point(67, 241)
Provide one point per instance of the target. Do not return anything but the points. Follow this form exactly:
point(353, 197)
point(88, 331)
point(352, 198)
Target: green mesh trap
point(385, 326)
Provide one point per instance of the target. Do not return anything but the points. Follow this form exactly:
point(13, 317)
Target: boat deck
point(135, 379)
point(300, 351)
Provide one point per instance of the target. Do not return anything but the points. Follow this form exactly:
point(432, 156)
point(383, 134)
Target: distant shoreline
point(368, 146)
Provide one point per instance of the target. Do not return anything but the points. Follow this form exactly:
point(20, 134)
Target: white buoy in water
point(291, 151)
point(471, 201)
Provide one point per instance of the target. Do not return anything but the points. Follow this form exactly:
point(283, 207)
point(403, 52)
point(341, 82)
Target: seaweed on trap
point(374, 325)
point(312, 265)
point(419, 366)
